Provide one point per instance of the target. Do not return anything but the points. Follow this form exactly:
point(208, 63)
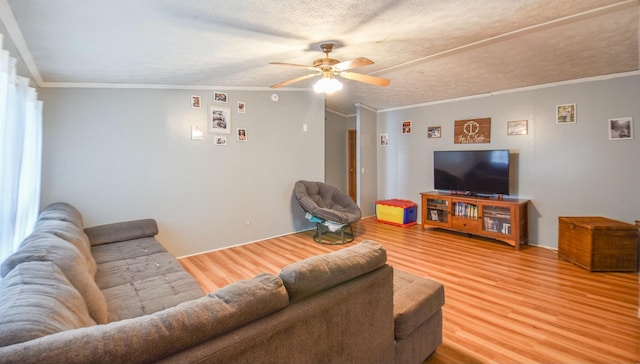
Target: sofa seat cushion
point(415, 299)
point(126, 249)
point(36, 299)
point(150, 295)
point(50, 248)
point(312, 275)
point(120, 272)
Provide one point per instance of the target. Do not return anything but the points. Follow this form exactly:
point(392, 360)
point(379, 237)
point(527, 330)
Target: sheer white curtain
point(20, 156)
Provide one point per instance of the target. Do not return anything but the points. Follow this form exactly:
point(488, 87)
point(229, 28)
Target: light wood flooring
point(501, 305)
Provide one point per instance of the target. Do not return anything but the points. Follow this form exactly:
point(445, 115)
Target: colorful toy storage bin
point(396, 212)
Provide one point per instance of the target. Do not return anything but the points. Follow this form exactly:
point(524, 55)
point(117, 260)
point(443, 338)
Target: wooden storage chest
point(598, 243)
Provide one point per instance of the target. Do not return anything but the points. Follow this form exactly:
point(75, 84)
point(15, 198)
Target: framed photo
point(219, 120)
point(434, 132)
point(384, 140)
point(517, 127)
point(196, 132)
point(621, 129)
point(219, 140)
point(195, 102)
point(242, 107)
point(220, 97)
point(566, 114)
point(406, 127)
point(241, 134)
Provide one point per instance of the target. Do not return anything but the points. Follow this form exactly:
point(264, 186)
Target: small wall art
point(220, 140)
point(472, 131)
point(566, 114)
point(434, 132)
point(196, 132)
point(621, 129)
point(195, 102)
point(406, 127)
point(220, 97)
point(241, 134)
point(517, 127)
point(384, 140)
point(242, 107)
point(219, 120)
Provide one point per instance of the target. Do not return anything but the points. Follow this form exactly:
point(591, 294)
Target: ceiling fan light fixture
point(327, 85)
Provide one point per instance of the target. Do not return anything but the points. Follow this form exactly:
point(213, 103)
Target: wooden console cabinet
point(504, 219)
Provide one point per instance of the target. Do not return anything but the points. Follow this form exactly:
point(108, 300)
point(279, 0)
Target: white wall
point(120, 154)
point(565, 170)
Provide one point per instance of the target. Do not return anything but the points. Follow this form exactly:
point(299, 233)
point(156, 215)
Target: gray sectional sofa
point(113, 294)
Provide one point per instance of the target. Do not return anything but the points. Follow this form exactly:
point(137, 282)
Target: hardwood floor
point(501, 305)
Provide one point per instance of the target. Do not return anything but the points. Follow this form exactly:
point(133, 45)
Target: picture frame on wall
point(406, 127)
point(518, 127)
point(219, 140)
point(196, 132)
point(241, 134)
point(566, 114)
point(242, 107)
point(219, 120)
point(434, 131)
point(384, 140)
point(195, 102)
point(620, 129)
point(220, 97)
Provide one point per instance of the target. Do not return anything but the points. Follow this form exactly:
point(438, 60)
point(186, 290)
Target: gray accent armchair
point(332, 211)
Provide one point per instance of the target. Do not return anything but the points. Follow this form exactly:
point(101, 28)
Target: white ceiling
point(430, 49)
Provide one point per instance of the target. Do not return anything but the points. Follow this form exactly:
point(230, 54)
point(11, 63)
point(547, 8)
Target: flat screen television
point(473, 172)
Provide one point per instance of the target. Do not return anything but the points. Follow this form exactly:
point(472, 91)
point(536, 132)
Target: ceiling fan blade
point(365, 78)
point(311, 68)
point(352, 63)
point(297, 79)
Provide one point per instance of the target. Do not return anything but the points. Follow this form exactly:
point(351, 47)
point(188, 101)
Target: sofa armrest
point(121, 231)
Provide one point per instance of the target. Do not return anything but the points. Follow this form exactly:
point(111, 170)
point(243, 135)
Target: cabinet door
point(437, 211)
point(497, 219)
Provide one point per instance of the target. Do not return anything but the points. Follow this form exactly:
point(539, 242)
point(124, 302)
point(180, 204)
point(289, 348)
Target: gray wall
point(120, 154)
point(367, 159)
point(336, 149)
point(565, 170)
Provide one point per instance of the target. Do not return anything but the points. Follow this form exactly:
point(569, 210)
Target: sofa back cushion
point(312, 275)
point(36, 299)
point(67, 232)
point(152, 337)
point(50, 248)
point(62, 211)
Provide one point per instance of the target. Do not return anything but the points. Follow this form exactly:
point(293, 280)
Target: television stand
point(503, 219)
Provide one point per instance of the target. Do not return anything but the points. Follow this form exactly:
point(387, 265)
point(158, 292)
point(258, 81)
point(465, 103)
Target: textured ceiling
point(430, 49)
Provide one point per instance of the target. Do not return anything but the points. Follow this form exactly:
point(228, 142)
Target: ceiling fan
point(329, 68)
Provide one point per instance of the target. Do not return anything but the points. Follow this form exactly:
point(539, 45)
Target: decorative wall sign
point(566, 114)
point(472, 131)
point(518, 127)
point(219, 120)
point(621, 129)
